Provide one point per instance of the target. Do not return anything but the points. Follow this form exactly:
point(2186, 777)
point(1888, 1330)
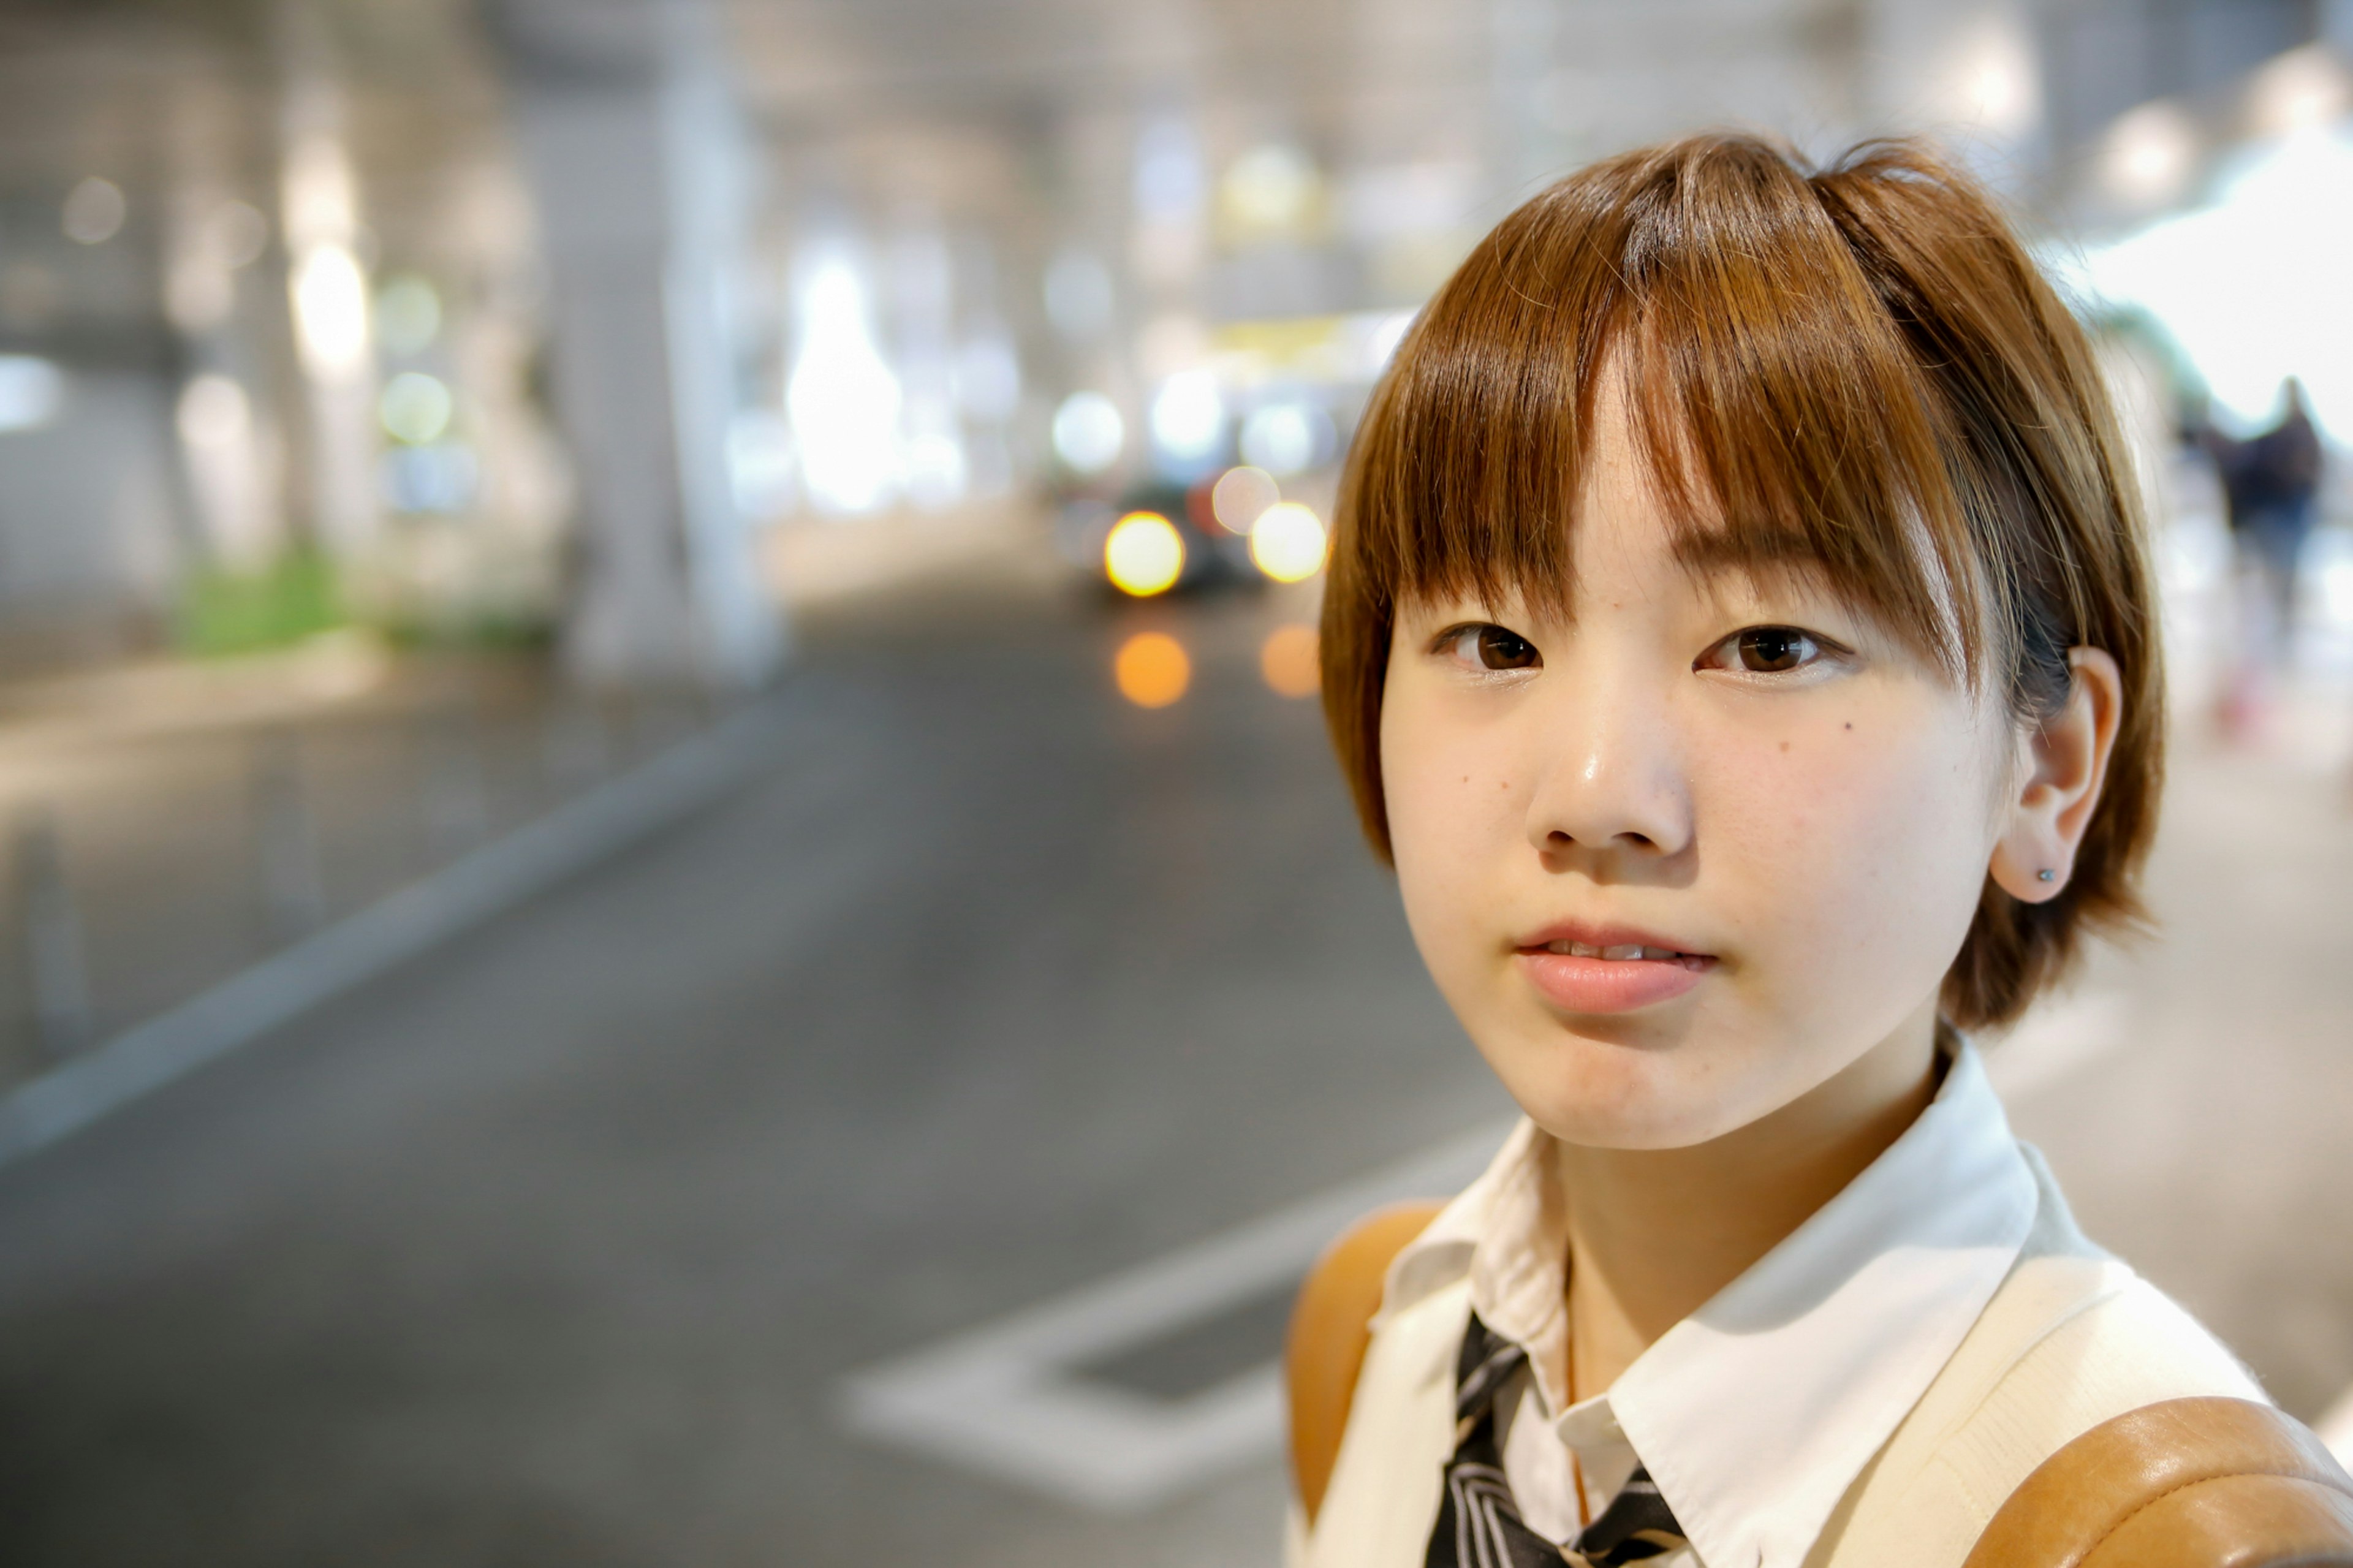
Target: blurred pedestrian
point(2269, 485)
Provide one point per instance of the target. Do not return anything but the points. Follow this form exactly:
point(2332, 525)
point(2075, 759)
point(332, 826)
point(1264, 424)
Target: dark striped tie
point(1479, 1524)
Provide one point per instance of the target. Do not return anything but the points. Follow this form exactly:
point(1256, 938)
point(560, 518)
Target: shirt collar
point(1755, 1414)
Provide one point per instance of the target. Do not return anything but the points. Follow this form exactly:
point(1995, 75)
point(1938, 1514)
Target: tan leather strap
point(2190, 1483)
point(1330, 1326)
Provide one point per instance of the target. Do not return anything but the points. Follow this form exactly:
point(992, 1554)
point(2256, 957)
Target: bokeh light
point(1288, 660)
point(320, 202)
point(1089, 432)
point(2301, 90)
point(1285, 438)
point(1992, 80)
point(236, 234)
point(330, 312)
point(31, 391)
point(415, 407)
point(1270, 191)
point(1240, 496)
point(94, 211)
point(1144, 554)
point(1287, 543)
point(2150, 155)
point(1152, 669)
point(843, 398)
point(1188, 415)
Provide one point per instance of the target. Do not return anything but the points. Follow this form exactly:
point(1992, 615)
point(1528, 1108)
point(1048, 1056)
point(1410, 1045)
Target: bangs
point(1775, 400)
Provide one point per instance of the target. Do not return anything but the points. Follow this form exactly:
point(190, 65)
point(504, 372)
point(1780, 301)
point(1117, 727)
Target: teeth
point(1620, 953)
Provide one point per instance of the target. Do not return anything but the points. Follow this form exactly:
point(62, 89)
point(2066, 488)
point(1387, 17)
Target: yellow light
point(1239, 496)
point(1287, 543)
point(1144, 554)
point(1152, 669)
point(1288, 661)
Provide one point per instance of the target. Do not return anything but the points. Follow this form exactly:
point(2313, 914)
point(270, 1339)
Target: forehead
point(1630, 530)
point(1731, 379)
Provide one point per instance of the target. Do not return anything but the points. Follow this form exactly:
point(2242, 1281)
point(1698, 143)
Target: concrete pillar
point(319, 202)
point(637, 162)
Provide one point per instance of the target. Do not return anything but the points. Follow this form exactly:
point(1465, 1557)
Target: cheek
point(1453, 811)
point(1866, 846)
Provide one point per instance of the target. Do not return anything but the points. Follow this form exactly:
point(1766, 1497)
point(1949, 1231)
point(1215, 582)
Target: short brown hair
point(1855, 370)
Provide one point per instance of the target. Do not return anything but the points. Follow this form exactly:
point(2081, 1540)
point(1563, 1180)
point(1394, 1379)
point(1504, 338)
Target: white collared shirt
point(1756, 1413)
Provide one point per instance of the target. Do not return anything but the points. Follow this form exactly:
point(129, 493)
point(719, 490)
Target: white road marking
point(389, 932)
point(1003, 1399)
point(2335, 1428)
point(1006, 1401)
point(2055, 1042)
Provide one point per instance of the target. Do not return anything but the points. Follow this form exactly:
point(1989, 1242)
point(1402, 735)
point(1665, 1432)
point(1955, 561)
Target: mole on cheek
point(1785, 745)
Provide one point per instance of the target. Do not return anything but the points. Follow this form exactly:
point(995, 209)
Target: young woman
point(1740, 639)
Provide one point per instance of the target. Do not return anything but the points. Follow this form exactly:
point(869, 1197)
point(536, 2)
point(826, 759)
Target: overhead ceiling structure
point(914, 87)
point(181, 101)
point(956, 105)
point(943, 220)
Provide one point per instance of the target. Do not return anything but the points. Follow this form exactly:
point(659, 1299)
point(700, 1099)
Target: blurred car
point(1155, 537)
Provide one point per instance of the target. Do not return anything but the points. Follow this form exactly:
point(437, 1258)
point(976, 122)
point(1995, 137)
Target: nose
point(1610, 785)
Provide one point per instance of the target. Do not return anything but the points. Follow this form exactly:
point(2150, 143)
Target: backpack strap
point(2188, 1483)
point(1331, 1324)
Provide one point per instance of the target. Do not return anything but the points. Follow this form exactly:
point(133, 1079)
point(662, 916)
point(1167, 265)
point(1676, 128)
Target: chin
point(1598, 1095)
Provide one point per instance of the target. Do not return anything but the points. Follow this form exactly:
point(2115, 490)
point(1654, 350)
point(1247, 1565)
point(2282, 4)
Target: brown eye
point(1773, 651)
point(1501, 649)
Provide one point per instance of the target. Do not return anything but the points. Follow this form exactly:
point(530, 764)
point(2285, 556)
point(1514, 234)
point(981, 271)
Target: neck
point(1654, 1233)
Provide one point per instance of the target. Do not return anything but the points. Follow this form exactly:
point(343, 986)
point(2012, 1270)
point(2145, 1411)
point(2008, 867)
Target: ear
point(2059, 785)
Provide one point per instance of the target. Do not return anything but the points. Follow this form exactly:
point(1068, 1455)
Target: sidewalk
point(168, 824)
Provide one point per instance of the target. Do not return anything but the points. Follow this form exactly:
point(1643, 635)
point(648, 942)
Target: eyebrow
point(1715, 548)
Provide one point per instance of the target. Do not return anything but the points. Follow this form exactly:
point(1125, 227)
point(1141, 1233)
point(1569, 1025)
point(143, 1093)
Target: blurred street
point(554, 1248)
point(670, 889)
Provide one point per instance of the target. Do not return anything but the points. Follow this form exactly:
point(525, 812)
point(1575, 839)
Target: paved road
point(552, 1249)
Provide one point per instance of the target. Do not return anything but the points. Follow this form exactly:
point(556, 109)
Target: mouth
point(1611, 969)
point(1627, 952)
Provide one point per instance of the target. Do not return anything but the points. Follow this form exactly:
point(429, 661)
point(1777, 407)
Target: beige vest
point(2071, 1338)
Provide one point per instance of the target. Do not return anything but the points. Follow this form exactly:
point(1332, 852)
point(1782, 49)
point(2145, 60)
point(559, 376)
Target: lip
point(1609, 984)
point(1598, 936)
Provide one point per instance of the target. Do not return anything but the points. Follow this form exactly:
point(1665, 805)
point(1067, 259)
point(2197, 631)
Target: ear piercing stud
point(2045, 874)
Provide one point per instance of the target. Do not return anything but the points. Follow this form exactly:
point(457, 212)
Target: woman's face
point(1685, 854)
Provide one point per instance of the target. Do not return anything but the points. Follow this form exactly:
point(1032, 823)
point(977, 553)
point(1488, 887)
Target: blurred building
point(545, 315)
